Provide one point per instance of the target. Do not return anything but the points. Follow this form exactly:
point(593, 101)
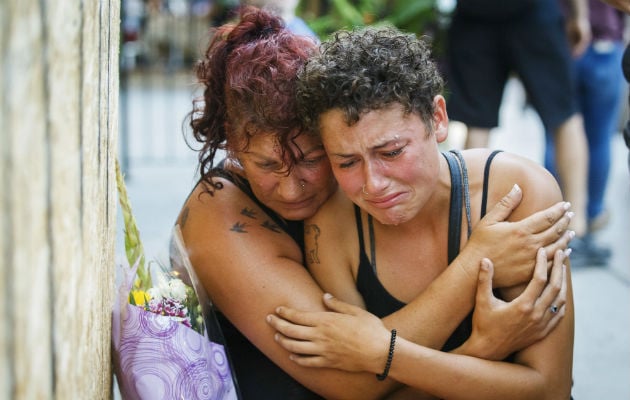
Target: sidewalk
point(602, 295)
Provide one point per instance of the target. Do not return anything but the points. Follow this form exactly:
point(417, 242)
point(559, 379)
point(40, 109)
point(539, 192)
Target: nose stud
point(302, 184)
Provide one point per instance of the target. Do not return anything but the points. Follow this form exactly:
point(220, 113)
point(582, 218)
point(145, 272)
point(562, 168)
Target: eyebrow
point(315, 148)
point(377, 147)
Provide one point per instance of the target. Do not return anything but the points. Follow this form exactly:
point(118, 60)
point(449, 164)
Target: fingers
point(538, 282)
point(505, 206)
point(557, 237)
point(553, 220)
point(554, 293)
point(305, 318)
point(555, 309)
point(334, 304)
point(297, 346)
point(288, 328)
point(484, 285)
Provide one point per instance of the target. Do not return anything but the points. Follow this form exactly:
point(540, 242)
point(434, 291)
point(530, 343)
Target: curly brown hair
point(248, 75)
point(366, 69)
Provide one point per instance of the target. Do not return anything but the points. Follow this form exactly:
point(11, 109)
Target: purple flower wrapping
point(158, 358)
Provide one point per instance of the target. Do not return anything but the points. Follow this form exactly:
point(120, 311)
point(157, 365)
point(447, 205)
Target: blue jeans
point(599, 81)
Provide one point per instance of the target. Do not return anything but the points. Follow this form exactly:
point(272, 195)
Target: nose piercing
point(363, 190)
point(302, 184)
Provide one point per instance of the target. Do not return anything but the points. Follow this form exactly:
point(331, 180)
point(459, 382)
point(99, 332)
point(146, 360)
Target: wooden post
point(58, 130)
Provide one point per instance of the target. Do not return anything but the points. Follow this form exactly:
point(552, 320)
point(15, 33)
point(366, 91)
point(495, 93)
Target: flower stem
point(133, 245)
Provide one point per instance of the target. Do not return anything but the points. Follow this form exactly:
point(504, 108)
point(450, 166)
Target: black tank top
point(257, 376)
point(377, 299)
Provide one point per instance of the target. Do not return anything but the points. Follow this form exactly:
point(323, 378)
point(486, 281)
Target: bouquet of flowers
point(160, 332)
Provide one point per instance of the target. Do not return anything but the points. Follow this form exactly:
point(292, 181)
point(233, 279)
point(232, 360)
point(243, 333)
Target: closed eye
point(268, 166)
point(313, 161)
point(393, 153)
point(347, 164)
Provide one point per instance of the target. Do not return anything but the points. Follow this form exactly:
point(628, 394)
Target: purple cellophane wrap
point(159, 358)
point(155, 357)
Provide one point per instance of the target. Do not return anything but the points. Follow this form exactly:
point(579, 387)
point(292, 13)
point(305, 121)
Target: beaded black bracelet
point(390, 356)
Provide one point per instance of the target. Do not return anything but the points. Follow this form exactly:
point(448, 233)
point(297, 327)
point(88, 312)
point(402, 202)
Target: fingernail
point(515, 189)
point(268, 318)
point(566, 205)
point(276, 337)
point(328, 296)
point(568, 252)
point(571, 234)
point(570, 214)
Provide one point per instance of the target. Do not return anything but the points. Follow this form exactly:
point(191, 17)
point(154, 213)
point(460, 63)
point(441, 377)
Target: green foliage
point(417, 16)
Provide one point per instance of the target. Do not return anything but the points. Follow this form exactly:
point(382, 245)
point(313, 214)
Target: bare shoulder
point(331, 243)
point(540, 188)
point(227, 212)
point(233, 244)
point(334, 219)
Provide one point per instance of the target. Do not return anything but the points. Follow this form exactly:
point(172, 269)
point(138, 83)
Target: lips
point(296, 205)
point(386, 201)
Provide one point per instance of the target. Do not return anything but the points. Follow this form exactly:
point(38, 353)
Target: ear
point(440, 119)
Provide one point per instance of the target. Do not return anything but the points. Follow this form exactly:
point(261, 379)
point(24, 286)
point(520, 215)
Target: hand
point(579, 35)
point(347, 338)
point(501, 328)
point(514, 259)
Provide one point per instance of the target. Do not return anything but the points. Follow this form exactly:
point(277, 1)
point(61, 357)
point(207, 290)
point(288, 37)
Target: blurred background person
point(488, 40)
point(598, 80)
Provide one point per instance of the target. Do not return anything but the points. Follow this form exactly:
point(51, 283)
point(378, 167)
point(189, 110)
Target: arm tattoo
point(239, 227)
point(313, 253)
point(271, 226)
point(248, 212)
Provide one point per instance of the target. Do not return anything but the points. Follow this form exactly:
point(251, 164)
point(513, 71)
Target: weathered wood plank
point(29, 269)
point(58, 127)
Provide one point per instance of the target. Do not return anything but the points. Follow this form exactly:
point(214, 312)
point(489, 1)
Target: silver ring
point(363, 190)
point(553, 309)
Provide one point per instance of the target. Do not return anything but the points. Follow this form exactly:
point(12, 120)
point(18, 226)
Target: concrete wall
point(58, 130)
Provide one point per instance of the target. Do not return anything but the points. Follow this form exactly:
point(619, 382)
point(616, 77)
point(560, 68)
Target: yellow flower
point(139, 297)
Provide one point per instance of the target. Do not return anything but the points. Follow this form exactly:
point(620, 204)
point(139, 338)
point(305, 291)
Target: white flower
point(177, 290)
point(155, 294)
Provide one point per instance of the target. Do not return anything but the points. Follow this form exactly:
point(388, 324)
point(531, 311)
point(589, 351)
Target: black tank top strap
point(486, 176)
point(455, 212)
point(465, 189)
point(357, 217)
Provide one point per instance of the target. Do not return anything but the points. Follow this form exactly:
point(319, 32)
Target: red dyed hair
point(249, 74)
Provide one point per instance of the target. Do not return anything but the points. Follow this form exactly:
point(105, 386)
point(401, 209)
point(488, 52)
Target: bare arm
point(437, 311)
point(542, 370)
point(249, 268)
point(578, 26)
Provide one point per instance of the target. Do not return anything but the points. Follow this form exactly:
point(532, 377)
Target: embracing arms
point(249, 268)
point(542, 370)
